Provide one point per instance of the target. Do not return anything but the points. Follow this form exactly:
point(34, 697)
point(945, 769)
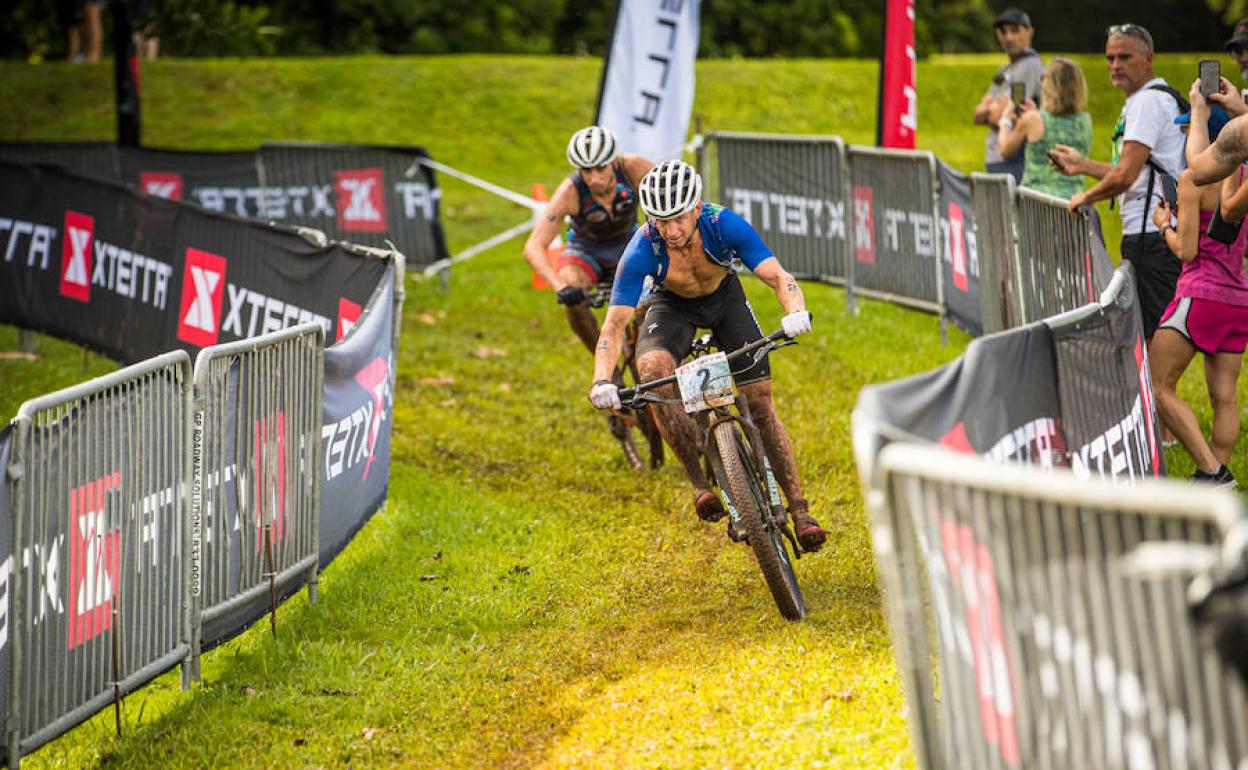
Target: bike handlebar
point(629, 394)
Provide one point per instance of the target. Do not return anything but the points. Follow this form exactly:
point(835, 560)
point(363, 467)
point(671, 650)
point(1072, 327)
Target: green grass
point(525, 600)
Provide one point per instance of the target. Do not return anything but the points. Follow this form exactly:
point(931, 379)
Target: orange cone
point(554, 250)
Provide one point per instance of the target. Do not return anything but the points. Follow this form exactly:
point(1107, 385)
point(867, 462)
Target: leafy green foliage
point(752, 28)
point(1230, 11)
point(1065, 26)
point(218, 27)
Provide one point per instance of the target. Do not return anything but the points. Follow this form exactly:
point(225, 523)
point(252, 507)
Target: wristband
point(601, 382)
point(1005, 123)
point(1167, 226)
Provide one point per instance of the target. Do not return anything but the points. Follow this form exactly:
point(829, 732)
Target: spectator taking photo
point(1063, 121)
point(1014, 33)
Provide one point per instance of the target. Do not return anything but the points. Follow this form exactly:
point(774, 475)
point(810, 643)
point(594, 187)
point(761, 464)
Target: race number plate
point(705, 382)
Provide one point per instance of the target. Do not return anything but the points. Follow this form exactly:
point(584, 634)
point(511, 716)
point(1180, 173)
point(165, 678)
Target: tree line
point(750, 28)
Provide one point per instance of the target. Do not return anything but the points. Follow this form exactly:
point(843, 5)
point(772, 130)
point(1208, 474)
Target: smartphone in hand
point(1210, 77)
point(1018, 94)
point(1055, 161)
point(1170, 192)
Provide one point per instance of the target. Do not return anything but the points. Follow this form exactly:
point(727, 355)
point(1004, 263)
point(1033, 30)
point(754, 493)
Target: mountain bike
point(732, 448)
point(622, 423)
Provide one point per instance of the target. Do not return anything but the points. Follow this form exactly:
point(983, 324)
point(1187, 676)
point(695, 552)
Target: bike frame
point(707, 419)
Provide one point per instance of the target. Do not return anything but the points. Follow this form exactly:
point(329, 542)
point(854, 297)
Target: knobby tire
point(752, 503)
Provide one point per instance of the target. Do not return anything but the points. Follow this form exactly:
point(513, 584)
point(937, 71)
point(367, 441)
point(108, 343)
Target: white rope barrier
point(472, 251)
point(502, 192)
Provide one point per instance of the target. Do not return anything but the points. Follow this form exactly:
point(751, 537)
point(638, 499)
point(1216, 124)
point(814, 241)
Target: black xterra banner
point(1070, 392)
point(133, 276)
point(371, 195)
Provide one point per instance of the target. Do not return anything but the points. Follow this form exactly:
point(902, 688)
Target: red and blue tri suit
point(597, 235)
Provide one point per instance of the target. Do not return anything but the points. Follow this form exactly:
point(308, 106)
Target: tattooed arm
point(611, 341)
point(1212, 163)
point(547, 227)
point(784, 285)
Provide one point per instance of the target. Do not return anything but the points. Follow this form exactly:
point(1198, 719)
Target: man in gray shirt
point(1014, 34)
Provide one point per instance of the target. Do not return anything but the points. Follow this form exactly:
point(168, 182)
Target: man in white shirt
point(1147, 144)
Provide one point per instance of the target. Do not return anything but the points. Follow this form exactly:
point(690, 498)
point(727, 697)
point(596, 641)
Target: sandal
point(709, 506)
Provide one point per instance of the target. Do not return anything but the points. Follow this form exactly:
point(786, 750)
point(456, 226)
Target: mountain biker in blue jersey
point(687, 248)
point(601, 199)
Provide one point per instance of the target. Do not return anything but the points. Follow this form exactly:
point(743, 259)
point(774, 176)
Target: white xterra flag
point(647, 88)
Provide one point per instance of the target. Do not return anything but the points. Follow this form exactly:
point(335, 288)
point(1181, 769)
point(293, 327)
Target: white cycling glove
point(795, 323)
point(605, 395)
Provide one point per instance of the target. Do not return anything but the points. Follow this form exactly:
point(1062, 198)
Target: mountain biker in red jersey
point(687, 248)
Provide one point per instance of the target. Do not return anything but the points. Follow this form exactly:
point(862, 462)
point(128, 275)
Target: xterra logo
point(374, 378)
point(795, 215)
point(354, 438)
point(203, 286)
point(957, 247)
point(358, 195)
point(348, 316)
point(864, 225)
point(162, 184)
point(94, 558)
point(76, 256)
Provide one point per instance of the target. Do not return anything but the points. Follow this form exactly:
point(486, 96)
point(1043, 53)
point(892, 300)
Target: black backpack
point(1153, 168)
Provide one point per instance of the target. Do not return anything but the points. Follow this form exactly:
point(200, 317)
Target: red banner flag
point(899, 101)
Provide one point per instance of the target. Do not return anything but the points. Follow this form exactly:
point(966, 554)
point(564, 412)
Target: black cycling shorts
point(1156, 274)
point(673, 321)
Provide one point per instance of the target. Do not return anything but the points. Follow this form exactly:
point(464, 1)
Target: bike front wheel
point(748, 496)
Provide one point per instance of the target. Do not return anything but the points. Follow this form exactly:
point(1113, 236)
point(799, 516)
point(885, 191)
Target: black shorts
point(1156, 273)
point(673, 321)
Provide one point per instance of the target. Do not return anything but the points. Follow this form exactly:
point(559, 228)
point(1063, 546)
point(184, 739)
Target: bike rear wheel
point(748, 496)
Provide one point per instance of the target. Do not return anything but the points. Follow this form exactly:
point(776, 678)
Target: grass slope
point(525, 600)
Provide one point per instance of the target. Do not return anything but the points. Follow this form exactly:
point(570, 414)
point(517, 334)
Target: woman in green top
point(1064, 94)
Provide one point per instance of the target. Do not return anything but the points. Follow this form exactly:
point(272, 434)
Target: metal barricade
point(894, 231)
point(97, 571)
point(1056, 268)
point(791, 188)
point(1050, 654)
point(255, 484)
point(992, 196)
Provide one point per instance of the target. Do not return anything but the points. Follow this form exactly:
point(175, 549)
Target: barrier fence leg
point(116, 666)
point(17, 588)
point(268, 558)
point(26, 341)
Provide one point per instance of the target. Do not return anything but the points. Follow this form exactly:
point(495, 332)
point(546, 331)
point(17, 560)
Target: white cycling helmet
point(669, 190)
point(591, 147)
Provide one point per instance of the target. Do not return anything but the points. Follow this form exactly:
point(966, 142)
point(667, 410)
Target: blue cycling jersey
point(725, 237)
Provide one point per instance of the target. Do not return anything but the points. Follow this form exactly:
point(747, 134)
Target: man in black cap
point(1237, 47)
point(1014, 33)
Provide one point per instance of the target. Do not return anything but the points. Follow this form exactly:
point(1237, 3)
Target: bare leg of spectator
point(1170, 353)
point(93, 21)
point(73, 37)
point(1222, 377)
